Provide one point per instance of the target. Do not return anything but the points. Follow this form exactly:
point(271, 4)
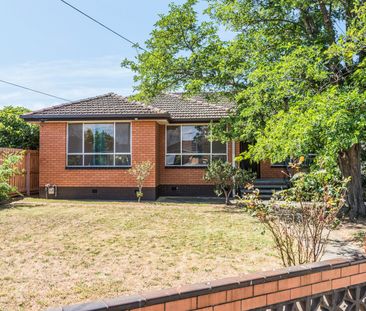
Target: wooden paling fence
point(27, 183)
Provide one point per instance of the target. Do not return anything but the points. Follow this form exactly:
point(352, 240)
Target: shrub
point(301, 218)
point(226, 178)
point(8, 168)
point(141, 171)
point(15, 132)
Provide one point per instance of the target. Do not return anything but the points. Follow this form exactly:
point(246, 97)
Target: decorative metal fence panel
point(349, 299)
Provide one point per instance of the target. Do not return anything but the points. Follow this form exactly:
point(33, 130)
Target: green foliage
point(360, 238)
point(141, 171)
point(8, 168)
point(15, 132)
point(179, 44)
point(139, 195)
point(327, 122)
point(226, 178)
point(314, 186)
point(301, 218)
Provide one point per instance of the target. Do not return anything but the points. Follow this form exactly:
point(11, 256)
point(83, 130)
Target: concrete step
point(267, 187)
point(274, 181)
point(275, 186)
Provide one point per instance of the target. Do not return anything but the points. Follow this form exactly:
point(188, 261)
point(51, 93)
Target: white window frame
point(114, 153)
point(181, 154)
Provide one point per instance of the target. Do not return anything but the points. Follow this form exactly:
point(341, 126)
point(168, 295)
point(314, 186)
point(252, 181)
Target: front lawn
point(62, 252)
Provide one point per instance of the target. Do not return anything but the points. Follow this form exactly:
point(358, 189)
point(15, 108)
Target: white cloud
point(70, 79)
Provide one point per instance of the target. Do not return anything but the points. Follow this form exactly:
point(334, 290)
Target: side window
point(188, 145)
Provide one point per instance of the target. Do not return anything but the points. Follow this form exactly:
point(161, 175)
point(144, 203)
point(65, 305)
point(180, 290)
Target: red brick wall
point(148, 143)
point(52, 159)
point(268, 171)
point(179, 176)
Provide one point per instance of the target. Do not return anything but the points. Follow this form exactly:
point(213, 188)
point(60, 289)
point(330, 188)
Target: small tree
point(8, 168)
point(301, 218)
point(141, 171)
point(226, 177)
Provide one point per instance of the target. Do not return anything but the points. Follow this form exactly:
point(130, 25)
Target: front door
point(247, 164)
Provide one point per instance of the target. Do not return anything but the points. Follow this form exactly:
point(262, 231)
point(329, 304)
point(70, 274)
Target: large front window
point(188, 145)
point(99, 144)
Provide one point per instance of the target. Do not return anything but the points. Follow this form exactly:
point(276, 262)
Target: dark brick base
point(186, 190)
point(128, 193)
point(100, 193)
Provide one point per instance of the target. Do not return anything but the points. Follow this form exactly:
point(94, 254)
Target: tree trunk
point(139, 194)
point(350, 165)
point(327, 20)
point(227, 197)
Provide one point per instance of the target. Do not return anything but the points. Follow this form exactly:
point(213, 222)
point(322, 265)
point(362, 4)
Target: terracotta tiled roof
point(173, 107)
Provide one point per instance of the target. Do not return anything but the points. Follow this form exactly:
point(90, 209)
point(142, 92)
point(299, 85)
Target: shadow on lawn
point(17, 205)
point(226, 209)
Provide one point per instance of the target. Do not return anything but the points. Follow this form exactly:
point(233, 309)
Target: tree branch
point(327, 19)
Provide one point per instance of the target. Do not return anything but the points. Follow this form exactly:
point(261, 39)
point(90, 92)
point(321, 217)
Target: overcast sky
point(50, 47)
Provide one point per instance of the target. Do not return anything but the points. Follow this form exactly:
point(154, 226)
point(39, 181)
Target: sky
point(48, 46)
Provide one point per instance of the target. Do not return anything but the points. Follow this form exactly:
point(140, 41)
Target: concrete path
point(339, 248)
point(342, 242)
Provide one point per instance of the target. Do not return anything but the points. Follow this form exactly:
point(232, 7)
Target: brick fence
point(338, 284)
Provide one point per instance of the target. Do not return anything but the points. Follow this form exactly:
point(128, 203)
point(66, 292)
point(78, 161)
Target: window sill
point(185, 167)
point(97, 167)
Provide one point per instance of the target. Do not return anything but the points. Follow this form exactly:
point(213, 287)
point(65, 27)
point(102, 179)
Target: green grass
point(62, 252)
point(359, 237)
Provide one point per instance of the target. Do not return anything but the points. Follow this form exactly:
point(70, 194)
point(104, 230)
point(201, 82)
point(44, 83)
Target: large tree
point(296, 69)
point(15, 132)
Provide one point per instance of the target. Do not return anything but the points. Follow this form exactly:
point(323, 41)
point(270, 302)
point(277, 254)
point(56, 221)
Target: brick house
point(87, 146)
